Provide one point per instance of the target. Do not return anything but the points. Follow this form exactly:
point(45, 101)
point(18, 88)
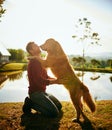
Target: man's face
point(34, 49)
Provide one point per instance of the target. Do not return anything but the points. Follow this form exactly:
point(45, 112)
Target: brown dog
point(58, 63)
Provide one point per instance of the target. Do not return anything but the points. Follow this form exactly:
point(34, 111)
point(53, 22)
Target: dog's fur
point(58, 62)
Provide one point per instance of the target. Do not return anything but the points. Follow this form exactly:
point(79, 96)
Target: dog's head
point(52, 47)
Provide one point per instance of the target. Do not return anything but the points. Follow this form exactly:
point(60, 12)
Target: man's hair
point(29, 46)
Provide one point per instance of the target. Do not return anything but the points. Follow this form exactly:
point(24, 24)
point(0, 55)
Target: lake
point(15, 88)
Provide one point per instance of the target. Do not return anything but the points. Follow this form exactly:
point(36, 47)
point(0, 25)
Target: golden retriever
point(58, 62)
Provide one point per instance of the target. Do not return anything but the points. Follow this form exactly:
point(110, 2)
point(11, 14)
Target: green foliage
point(13, 67)
point(78, 61)
point(95, 62)
point(17, 55)
point(90, 63)
point(2, 10)
point(109, 62)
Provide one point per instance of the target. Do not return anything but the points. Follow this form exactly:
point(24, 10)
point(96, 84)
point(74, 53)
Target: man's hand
point(56, 81)
point(63, 80)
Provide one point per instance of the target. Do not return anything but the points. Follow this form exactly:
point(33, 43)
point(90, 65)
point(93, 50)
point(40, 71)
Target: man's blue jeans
point(45, 103)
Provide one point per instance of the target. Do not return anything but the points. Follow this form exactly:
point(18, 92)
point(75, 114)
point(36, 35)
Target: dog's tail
point(88, 99)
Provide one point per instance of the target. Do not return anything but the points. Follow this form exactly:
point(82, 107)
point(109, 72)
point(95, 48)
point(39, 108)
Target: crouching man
point(39, 99)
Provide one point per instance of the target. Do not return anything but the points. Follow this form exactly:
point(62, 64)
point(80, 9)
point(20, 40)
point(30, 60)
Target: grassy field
point(13, 67)
point(11, 118)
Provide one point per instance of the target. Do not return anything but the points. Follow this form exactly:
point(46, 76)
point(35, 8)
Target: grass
point(11, 117)
point(13, 67)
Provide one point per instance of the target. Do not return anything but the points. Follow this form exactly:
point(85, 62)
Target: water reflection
point(11, 76)
point(15, 87)
point(3, 78)
point(100, 88)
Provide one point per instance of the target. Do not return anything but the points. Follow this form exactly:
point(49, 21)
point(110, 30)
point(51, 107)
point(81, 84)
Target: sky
point(39, 20)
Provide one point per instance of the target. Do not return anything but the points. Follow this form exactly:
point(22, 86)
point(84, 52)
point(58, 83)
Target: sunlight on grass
point(13, 67)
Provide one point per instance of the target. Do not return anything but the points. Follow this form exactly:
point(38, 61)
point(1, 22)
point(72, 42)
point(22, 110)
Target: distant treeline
point(80, 62)
point(17, 55)
point(20, 56)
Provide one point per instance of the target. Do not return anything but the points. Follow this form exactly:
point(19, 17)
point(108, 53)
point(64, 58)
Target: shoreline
point(60, 101)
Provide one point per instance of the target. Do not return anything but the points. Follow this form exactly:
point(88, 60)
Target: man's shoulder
point(34, 61)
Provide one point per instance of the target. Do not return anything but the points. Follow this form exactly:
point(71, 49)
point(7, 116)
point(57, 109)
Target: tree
point(78, 61)
point(13, 54)
point(85, 35)
point(20, 55)
point(75, 61)
point(95, 62)
point(2, 11)
point(109, 62)
point(17, 54)
point(103, 63)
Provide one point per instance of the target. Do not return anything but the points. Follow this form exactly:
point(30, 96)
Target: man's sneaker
point(27, 106)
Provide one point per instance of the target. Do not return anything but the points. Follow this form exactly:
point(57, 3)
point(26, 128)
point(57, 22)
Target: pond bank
point(23, 66)
point(10, 118)
point(101, 70)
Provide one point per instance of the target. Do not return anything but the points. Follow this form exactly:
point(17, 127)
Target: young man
point(38, 99)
